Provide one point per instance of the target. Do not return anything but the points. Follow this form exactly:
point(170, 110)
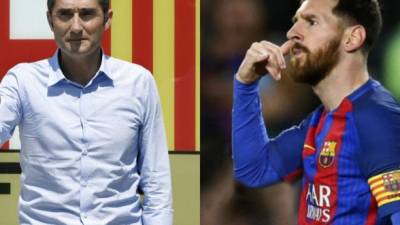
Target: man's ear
point(50, 20)
point(107, 19)
point(354, 37)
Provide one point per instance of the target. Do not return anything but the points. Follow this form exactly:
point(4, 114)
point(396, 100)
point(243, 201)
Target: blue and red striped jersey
point(349, 158)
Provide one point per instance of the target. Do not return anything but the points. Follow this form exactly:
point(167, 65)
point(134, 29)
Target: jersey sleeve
point(378, 128)
point(259, 160)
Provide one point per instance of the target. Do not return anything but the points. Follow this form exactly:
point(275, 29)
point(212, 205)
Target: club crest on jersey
point(391, 181)
point(327, 155)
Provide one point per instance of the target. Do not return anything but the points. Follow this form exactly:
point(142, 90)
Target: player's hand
point(262, 58)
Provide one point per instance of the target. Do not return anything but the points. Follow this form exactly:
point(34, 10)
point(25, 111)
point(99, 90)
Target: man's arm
point(10, 106)
point(154, 169)
point(378, 130)
point(395, 218)
point(258, 160)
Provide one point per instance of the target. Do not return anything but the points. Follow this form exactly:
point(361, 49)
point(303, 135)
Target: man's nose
point(294, 33)
point(76, 26)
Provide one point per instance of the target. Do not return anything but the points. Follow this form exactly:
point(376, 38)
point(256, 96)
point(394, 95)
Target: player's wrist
point(247, 80)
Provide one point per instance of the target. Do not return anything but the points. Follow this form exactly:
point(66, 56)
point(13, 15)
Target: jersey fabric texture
point(349, 158)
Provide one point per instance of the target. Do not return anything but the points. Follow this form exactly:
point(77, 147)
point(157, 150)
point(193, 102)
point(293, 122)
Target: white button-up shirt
point(87, 150)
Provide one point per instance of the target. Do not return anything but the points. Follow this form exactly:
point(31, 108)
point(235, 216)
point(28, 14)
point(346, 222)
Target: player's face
point(317, 35)
point(78, 26)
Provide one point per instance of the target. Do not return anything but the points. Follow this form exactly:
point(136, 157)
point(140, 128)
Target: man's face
point(317, 37)
point(78, 26)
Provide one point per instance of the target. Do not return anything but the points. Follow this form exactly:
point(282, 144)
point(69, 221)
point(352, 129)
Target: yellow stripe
point(164, 60)
point(374, 185)
point(385, 194)
point(121, 31)
point(376, 190)
point(197, 75)
point(379, 176)
point(388, 201)
point(374, 178)
point(309, 147)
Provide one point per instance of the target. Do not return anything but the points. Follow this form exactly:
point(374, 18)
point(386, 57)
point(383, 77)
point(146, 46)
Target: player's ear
point(50, 20)
point(354, 37)
point(107, 19)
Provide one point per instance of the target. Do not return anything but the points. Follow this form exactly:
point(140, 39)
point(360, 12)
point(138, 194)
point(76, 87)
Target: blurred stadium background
point(228, 27)
point(162, 35)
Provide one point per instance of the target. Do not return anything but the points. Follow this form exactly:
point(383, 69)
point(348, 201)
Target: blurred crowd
point(228, 27)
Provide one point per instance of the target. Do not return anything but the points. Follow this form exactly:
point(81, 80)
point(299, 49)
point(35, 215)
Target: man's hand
point(261, 58)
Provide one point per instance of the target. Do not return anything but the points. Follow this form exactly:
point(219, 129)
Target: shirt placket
point(85, 194)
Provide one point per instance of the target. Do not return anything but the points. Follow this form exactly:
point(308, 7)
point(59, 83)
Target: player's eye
point(312, 22)
point(64, 14)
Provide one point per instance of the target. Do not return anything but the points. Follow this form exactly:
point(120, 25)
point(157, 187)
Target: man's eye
point(65, 15)
point(87, 14)
point(312, 22)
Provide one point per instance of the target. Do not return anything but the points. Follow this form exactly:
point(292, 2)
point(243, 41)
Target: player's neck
point(82, 69)
point(344, 79)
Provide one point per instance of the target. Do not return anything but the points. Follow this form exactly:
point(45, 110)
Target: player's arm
point(395, 218)
point(153, 162)
point(10, 105)
point(258, 160)
point(378, 130)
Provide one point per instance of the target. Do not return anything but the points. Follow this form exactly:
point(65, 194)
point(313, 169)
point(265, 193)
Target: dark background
point(228, 27)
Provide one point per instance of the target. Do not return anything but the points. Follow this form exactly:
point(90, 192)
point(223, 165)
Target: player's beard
point(316, 66)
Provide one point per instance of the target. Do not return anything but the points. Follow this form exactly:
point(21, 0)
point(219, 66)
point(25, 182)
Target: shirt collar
point(56, 74)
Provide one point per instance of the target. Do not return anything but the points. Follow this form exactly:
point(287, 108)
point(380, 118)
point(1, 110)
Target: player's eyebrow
point(295, 18)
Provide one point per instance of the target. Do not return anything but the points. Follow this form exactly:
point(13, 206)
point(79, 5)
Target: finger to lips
point(276, 50)
point(285, 47)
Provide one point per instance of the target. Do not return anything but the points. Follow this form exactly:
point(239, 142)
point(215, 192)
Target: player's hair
point(364, 12)
point(105, 5)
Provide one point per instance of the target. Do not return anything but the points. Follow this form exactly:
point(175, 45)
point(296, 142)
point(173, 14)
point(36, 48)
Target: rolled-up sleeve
point(154, 168)
point(10, 106)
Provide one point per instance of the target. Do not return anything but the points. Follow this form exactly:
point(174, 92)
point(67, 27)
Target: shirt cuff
point(245, 87)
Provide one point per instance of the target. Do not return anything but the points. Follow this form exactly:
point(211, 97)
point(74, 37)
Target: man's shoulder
point(31, 70)
point(377, 100)
point(377, 109)
point(121, 66)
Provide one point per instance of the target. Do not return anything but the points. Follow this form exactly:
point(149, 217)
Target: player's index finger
point(285, 48)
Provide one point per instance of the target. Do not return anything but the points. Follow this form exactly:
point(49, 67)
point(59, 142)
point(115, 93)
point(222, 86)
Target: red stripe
point(5, 147)
point(303, 204)
point(293, 175)
point(142, 28)
point(372, 213)
point(329, 176)
point(326, 176)
point(185, 71)
point(106, 44)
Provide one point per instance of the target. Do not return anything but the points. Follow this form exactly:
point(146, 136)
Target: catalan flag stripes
point(386, 187)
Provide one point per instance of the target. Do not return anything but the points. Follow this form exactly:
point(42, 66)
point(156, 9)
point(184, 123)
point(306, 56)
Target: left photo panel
point(100, 112)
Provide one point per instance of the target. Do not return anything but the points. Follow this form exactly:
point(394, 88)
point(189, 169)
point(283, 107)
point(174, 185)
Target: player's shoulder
point(376, 107)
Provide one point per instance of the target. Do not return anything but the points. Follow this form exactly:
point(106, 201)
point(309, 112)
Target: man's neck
point(344, 79)
point(80, 69)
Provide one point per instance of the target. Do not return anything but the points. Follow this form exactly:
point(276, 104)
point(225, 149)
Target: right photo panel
point(300, 118)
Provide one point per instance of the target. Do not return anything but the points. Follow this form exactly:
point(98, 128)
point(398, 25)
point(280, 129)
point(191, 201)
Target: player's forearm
point(249, 138)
